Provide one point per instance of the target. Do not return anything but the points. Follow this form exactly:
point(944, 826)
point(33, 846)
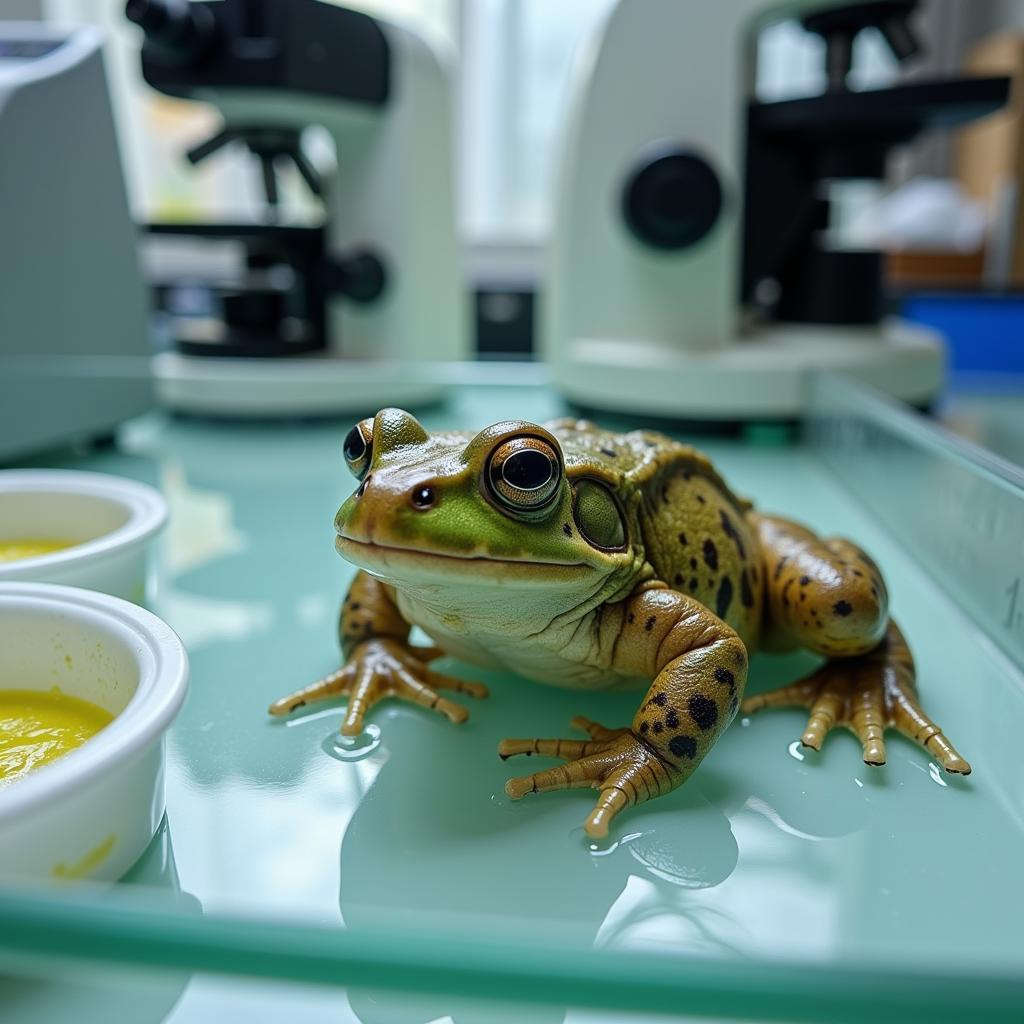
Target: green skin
point(632, 564)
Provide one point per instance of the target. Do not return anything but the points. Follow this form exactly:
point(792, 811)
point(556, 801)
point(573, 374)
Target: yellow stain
point(31, 547)
point(92, 860)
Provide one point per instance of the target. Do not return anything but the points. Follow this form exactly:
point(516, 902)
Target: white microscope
point(692, 271)
point(342, 317)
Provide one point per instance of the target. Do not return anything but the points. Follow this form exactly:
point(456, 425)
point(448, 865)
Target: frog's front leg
point(699, 667)
point(380, 662)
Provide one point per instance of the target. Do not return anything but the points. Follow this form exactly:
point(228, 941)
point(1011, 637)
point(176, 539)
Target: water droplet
point(353, 748)
point(601, 847)
point(936, 774)
point(796, 750)
point(859, 783)
point(745, 723)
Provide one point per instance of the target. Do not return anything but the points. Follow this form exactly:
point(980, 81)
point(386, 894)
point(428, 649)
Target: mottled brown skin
point(633, 563)
point(825, 595)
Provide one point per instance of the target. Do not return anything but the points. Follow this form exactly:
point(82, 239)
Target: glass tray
point(776, 884)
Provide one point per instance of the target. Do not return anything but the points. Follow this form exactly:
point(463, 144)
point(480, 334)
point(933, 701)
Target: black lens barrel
point(180, 31)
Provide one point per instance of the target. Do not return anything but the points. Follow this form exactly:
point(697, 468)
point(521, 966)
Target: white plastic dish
point(91, 813)
point(110, 520)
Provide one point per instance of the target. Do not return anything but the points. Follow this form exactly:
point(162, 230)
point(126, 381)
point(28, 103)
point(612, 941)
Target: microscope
point(343, 316)
point(694, 272)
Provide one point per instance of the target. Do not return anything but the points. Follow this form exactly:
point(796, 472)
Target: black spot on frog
point(710, 554)
point(703, 711)
point(730, 532)
point(724, 597)
point(723, 675)
point(683, 746)
point(746, 594)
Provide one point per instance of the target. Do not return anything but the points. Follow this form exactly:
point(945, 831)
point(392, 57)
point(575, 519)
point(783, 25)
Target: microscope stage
point(763, 376)
point(297, 386)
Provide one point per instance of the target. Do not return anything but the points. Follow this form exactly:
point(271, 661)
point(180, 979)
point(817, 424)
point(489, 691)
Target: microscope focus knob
point(360, 276)
point(672, 198)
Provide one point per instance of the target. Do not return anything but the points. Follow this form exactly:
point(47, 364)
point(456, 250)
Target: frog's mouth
point(403, 564)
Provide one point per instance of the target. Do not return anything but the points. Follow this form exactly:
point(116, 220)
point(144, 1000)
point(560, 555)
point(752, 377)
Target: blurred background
point(948, 217)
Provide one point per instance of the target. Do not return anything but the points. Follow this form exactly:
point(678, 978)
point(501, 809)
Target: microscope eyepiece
point(179, 30)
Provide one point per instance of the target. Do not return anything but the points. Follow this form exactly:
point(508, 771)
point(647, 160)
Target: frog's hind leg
point(828, 596)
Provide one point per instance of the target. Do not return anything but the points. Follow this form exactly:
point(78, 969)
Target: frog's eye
point(524, 474)
point(598, 516)
point(358, 448)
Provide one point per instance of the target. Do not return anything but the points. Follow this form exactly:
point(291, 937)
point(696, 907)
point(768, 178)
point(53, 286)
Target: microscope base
point(764, 376)
point(300, 386)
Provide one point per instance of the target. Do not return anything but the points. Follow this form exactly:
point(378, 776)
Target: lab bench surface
point(802, 883)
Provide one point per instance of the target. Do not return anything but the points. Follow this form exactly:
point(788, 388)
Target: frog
point(582, 557)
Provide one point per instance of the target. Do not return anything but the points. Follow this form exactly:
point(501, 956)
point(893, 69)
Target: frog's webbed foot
point(384, 668)
point(866, 695)
point(616, 762)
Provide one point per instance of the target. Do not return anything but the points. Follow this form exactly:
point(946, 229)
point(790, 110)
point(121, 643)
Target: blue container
point(984, 332)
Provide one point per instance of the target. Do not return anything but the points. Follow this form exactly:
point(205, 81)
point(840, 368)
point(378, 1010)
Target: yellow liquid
point(31, 547)
point(39, 727)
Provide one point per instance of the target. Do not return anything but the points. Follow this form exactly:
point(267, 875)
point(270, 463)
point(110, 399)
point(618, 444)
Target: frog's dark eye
point(524, 474)
point(598, 516)
point(358, 448)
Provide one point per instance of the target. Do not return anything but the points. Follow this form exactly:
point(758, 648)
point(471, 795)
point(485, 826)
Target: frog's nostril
point(362, 487)
point(423, 498)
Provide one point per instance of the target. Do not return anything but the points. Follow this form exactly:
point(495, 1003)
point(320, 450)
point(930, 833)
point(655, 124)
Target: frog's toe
point(866, 695)
point(615, 795)
point(600, 738)
point(569, 749)
point(912, 722)
point(330, 686)
point(796, 695)
point(427, 653)
point(827, 710)
point(579, 774)
point(394, 680)
point(625, 770)
point(364, 695)
point(443, 682)
point(420, 687)
point(595, 730)
point(381, 668)
point(611, 801)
